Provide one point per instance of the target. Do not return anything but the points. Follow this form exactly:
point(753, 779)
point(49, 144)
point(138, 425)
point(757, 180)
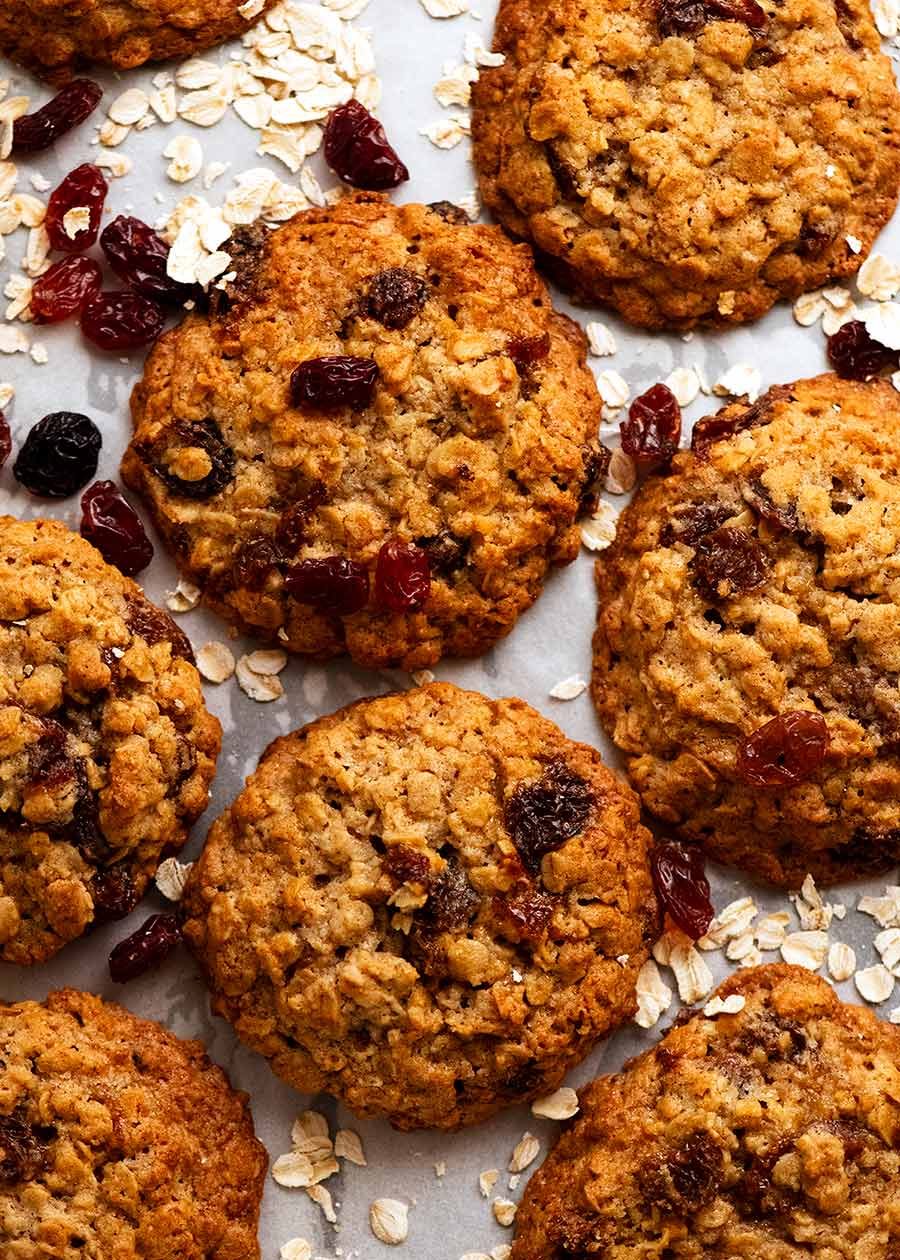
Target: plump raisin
point(254, 561)
point(204, 436)
point(71, 106)
point(121, 320)
point(814, 239)
point(112, 525)
point(728, 562)
point(146, 947)
point(139, 256)
point(696, 1171)
point(689, 523)
point(83, 188)
point(147, 622)
point(333, 585)
point(406, 865)
point(293, 523)
point(734, 420)
point(857, 356)
point(357, 149)
point(49, 763)
point(114, 894)
point(62, 291)
point(526, 351)
point(452, 900)
point(682, 887)
point(446, 553)
point(402, 576)
point(780, 517)
point(542, 815)
point(22, 1152)
point(396, 297)
point(5, 440)
point(650, 434)
point(786, 750)
point(685, 17)
point(527, 909)
point(59, 455)
point(334, 381)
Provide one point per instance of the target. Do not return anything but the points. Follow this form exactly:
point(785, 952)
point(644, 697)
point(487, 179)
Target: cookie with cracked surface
point(419, 904)
point(119, 1139)
point(106, 748)
point(56, 38)
point(747, 652)
point(768, 1133)
point(689, 162)
point(381, 443)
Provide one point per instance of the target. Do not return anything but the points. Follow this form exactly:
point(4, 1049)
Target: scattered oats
point(741, 948)
point(514, 1180)
point(809, 307)
point(309, 1125)
point(621, 476)
point(14, 108)
point(599, 531)
point(724, 1006)
point(204, 108)
point(215, 661)
point(613, 389)
point(454, 87)
point(654, 996)
point(293, 1170)
point(887, 17)
point(504, 1211)
point(894, 1015)
point(684, 384)
point(875, 984)
point(260, 687)
point(878, 278)
point(569, 688)
point(841, 961)
point(814, 914)
point(255, 111)
point(501, 1252)
point(186, 252)
point(835, 318)
point(118, 164)
point(214, 171)
point(440, 1168)
point(311, 188)
point(171, 876)
point(560, 1105)
point(76, 220)
point(185, 597)
point(733, 921)
point(739, 380)
point(320, 1195)
point(39, 182)
point(884, 910)
point(887, 943)
point(600, 339)
point(471, 203)
point(163, 103)
point(770, 930)
point(854, 244)
point(445, 8)
point(211, 267)
point(187, 158)
point(7, 394)
point(346, 9)
point(197, 73)
point(12, 340)
point(389, 1221)
point(422, 677)
point(111, 134)
point(805, 949)
point(18, 290)
point(705, 387)
point(487, 1180)
point(693, 977)
point(524, 1153)
point(447, 132)
point(296, 1249)
point(39, 353)
point(474, 50)
point(129, 108)
point(251, 8)
point(348, 1145)
point(883, 323)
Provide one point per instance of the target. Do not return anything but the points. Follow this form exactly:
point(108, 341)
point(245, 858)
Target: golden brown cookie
point(118, 1140)
point(380, 445)
point(56, 37)
point(769, 1133)
point(106, 748)
point(690, 161)
point(430, 904)
point(747, 653)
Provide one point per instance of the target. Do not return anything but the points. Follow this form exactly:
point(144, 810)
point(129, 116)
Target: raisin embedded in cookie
point(430, 905)
point(119, 1140)
point(379, 444)
point(56, 37)
point(769, 1133)
point(747, 653)
point(690, 161)
point(106, 748)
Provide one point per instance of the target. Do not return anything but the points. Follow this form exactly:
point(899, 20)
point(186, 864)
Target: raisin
point(650, 434)
point(71, 106)
point(146, 947)
point(62, 291)
point(696, 1171)
point(682, 887)
point(786, 750)
point(447, 211)
point(293, 523)
point(22, 1152)
point(526, 351)
point(357, 149)
point(528, 910)
point(855, 355)
point(139, 256)
point(780, 518)
point(254, 561)
point(49, 763)
point(5, 440)
point(333, 585)
point(728, 562)
point(407, 865)
point(541, 815)
point(334, 381)
point(207, 436)
point(146, 621)
point(114, 894)
point(731, 421)
point(685, 17)
point(452, 900)
point(115, 529)
point(691, 523)
point(85, 187)
point(59, 455)
point(446, 553)
point(847, 24)
point(396, 297)
point(402, 576)
point(813, 240)
point(121, 320)
point(596, 466)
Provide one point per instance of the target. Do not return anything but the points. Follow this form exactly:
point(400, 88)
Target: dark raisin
point(114, 894)
point(786, 750)
point(5, 440)
point(735, 419)
point(728, 562)
point(89, 840)
point(254, 561)
point(396, 297)
point(333, 585)
point(22, 1152)
point(62, 291)
point(696, 1171)
point(542, 815)
point(446, 553)
point(402, 576)
point(684, 17)
point(115, 529)
point(694, 521)
point(49, 763)
point(293, 523)
point(357, 149)
point(447, 211)
point(138, 255)
point(121, 320)
point(682, 887)
point(147, 622)
point(651, 433)
point(855, 355)
point(527, 909)
point(83, 187)
point(526, 351)
point(596, 466)
point(334, 381)
point(59, 455)
point(452, 900)
point(146, 947)
point(71, 106)
point(814, 239)
point(407, 865)
point(758, 1196)
point(848, 24)
point(774, 514)
point(206, 436)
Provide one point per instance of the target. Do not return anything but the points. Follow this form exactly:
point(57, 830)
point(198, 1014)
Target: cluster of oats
point(453, 91)
point(257, 674)
point(313, 1158)
point(878, 281)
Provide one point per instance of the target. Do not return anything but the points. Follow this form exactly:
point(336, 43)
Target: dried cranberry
point(357, 149)
point(63, 290)
point(680, 17)
point(651, 432)
point(402, 576)
point(254, 561)
point(855, 355)
point(786, 750)
point(527, 909)
point(114, 894)
point(139, 256)
point(334, 381)
point(396, 296)
point(526, 351)
point(59, 456)
point(146, 947)
point(121, 320)
point(83, 187)
point(682, 887)
point(333, 585)
point(5, 439)
point(728, 562)
point(541, 815)
point(71, 106)
point(22, 1152)
point(115, 529)
point(206, 435)
point(293, 523)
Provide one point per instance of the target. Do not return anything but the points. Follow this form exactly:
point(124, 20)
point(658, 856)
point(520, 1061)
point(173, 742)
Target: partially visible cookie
point(119, 1140)
point(770, 1132)
point(54, 38)
point(380, 444)
point(106, 748)
point(690, 161)
point(430, 905)
point(747, 653)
